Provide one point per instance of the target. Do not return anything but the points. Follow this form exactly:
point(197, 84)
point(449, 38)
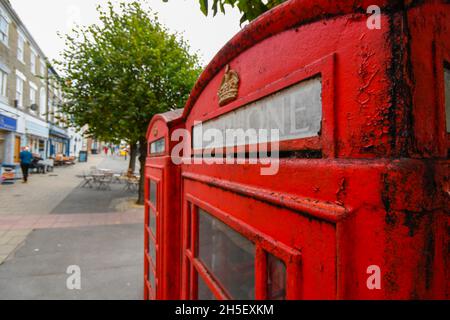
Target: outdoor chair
point(132, 184)
point(93, 170)
point(88, 181)
point(104, 183)
point(117, 178)
point(69, 160)
point(59, 160)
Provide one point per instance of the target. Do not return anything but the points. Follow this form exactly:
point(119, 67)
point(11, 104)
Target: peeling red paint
point(372, 189)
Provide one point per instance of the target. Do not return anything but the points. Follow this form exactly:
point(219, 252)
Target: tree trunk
point(133, 154)
point(142, 158)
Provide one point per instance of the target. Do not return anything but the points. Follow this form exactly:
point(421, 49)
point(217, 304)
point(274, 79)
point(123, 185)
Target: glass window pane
point(203, 291)
point(152, 251)
point(447, 96)
point(153, 191)
point(228, 255)
point(276, 278)
point(158, 146)
point(151, 277)
point(152, 221)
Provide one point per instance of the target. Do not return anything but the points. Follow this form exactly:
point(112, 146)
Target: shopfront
point(59, 142)
point(36, 137)
point(8, 126)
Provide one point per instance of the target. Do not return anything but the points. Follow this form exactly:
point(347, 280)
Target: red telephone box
point(359, 205)
point(162, 207)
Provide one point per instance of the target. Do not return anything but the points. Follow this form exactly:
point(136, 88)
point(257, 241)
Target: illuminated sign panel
point(296, 112)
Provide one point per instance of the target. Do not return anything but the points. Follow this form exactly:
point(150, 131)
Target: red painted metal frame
point(442, 58)
point(380, 193)
point(263, 244)
point(289, 15)
point(326, 142)
point(152, 266)
point(160, 169)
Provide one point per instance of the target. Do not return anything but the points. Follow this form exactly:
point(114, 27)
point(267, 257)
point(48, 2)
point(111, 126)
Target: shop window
point(2, 148)
point(447, 95)
point(158, 146)
point(229, 256)
point(41, 147)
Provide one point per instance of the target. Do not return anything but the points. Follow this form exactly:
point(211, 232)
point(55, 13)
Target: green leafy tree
point(120, 73)
point(250, 9)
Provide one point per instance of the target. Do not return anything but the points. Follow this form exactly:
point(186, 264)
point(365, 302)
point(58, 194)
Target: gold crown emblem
point(230, 87)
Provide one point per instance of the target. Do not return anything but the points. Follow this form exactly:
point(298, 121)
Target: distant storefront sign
point(36, 129)
point(7, 123)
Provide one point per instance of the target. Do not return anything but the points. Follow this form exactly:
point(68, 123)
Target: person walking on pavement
point(26, 157)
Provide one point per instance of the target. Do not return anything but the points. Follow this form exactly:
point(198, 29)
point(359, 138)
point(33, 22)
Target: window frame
point(441, 60)
point(42, 102)
point(3, 83)
point(21, 47)
point(152, 266)
point(33, 61)
point(4, 36)
point(33, 94)
point(154, 143)
point(192, 266)
point(325, 142)
point(42, 68)
point(20, 93)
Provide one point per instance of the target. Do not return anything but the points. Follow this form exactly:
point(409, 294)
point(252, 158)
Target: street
point(52, 223)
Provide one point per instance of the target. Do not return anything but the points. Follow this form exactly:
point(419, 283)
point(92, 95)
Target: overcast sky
point(206, 35)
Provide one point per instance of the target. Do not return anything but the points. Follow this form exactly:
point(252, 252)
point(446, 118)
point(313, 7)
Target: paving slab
point(87, 200)
point(110, 259)
point(43, 192)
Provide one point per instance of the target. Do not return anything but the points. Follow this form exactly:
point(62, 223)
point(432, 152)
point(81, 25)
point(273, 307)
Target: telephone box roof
point(168, 117)
point(291, 14)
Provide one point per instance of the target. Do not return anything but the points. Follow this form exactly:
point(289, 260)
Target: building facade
point(59, 139)
point(30, 98)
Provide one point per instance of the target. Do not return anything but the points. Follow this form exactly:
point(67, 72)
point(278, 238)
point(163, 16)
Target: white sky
point(206, 35)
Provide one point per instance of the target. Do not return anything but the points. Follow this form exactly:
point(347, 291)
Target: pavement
point(109, 258)
point(51, 223)
point(43, 193)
